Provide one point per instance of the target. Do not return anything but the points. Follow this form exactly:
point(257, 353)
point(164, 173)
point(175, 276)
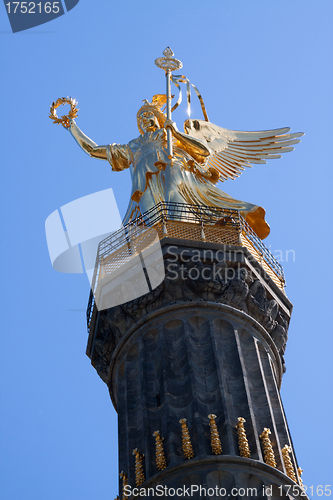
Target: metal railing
point(170, 211)
point(183, 221)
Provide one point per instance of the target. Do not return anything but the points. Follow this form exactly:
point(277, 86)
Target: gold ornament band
point(139, 472)
point(243, 443)
point(160, 456)
point(214, 435)
point(268, 448)
point(288, 463)
point(124, 477)
point(65, 119)
point(300, 471)
point(186, 440)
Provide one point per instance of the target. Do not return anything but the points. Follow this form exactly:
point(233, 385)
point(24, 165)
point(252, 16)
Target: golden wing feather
point(232, 150)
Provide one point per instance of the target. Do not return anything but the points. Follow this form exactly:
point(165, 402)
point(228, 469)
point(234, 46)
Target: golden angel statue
point(202, 155)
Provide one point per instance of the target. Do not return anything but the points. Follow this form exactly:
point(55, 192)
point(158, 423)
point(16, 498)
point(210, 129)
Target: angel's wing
point(232, 150)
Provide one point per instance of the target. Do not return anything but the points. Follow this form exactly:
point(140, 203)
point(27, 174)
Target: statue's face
point(148, 121)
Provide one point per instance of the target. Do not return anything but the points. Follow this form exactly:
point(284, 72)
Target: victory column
point(193, 365)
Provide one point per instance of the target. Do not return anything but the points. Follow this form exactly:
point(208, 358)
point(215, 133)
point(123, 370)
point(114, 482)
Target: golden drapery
point(155, 179)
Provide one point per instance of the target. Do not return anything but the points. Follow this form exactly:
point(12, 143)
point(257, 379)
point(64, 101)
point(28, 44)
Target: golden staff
point(169, 64)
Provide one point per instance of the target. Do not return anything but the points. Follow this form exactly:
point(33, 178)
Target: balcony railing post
point(202, 233)
point(165, 230)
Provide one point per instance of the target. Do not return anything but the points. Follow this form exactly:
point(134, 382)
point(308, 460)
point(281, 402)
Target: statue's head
point(150, 116)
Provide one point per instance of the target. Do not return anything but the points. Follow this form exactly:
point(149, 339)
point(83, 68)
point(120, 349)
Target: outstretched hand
point(65, 119)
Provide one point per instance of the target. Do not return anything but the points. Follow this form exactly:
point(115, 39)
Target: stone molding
point(231, 285)
point(242, 469)
point(257, 330)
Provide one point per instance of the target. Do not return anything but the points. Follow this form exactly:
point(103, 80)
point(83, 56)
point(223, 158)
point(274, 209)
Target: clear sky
point(259, 65)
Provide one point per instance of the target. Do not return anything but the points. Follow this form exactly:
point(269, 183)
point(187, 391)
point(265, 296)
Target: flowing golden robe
point(154, 179)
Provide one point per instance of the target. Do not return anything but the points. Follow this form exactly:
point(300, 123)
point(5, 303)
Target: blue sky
point(259, 65)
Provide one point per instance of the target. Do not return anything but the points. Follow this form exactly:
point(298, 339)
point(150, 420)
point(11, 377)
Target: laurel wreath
point(65, 119)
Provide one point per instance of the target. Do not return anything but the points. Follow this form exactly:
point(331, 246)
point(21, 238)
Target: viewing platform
point(177, 221)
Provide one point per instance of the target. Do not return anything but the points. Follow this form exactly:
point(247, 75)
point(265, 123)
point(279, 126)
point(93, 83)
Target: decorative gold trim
point(287, 462)
point(124, 477)
point(168, 63)
point(186, 440)
point(160, 456)
point(214, 435)
point(243, 444)
point(268, 449)
point(139, 472)
point(300, 472)
point(65, 119)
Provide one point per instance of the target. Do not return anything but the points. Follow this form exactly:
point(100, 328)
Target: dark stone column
point(209, 339)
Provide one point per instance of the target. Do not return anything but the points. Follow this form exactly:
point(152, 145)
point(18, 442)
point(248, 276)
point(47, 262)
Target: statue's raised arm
point(119, 156)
